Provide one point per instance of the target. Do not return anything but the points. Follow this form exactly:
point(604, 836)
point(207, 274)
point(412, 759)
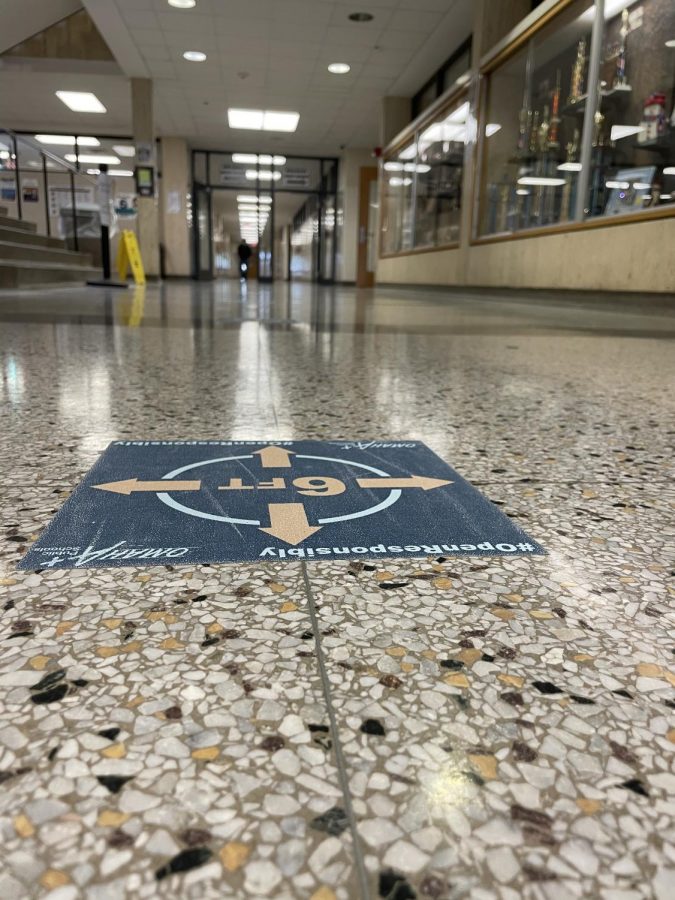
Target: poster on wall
point(8, 189)
point(61, 198)
point(29, 190)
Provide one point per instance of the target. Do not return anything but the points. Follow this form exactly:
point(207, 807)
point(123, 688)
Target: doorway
point(284, 207)
point(367, 231)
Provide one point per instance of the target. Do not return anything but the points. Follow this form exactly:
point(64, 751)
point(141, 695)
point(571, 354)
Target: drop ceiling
point(267, 54)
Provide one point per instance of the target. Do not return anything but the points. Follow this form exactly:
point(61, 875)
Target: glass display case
point(422, 184)
point(535, 101)
point(633, 157)
point(583, 113)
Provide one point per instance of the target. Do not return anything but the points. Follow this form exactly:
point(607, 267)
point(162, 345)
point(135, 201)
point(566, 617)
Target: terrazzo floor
point(438, 728)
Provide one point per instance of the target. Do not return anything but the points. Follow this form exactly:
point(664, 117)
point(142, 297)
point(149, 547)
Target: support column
point(144, 137)
point(174, 194)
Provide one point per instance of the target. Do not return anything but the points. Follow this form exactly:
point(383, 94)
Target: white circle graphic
point(393, 496)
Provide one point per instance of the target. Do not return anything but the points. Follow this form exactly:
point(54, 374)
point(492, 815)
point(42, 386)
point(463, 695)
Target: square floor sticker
point(165, 502)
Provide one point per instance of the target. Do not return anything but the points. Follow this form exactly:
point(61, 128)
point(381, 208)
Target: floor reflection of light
point(14, 381)
point(449, 787)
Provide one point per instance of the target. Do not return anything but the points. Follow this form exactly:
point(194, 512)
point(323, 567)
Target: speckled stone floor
point(439, 728)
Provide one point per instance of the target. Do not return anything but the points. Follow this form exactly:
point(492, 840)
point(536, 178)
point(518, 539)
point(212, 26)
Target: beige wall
point(630, 257)
point(174, 197)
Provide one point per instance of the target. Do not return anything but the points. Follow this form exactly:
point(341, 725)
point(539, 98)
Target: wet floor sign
point(169, 502)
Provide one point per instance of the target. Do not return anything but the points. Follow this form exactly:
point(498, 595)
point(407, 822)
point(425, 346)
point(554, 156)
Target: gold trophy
point(555, 114)
point(578, 74)
point(620, 82)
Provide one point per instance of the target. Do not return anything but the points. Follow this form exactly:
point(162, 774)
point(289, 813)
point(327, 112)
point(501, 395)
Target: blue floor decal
point(172, 502)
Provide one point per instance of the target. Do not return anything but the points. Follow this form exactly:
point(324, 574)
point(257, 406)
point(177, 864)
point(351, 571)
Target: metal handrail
point(19, 139)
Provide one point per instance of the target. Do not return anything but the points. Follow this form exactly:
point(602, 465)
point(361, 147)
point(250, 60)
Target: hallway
point(440, 728)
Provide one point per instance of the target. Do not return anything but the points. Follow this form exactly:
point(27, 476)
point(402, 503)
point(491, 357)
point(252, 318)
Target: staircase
point(28, 259)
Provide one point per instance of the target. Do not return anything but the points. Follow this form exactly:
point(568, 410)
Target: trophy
point(555, 114)
point(578, 72)
point(571, 148)
point(534, 133)
point(524, 128)
point(598, 129)
point(543, 131)
point(620, 82)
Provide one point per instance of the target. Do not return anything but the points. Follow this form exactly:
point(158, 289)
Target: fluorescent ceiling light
point(665, 197)
point(280, 121)
point(245, 118)
point(618, 185)
point(416, 167)
point(4, 154)
point(541, 180)
point(252, 159)
point(392, 166)
point(67, 140)
point(622, 131)
point(194, 56)
point(253, 198)
point(262, 120)
point(642, 185)
point(491, 128)
point(522, 192)
point(569, 167)
point(81, 101)
point(400, 182)
point(183, 4)
point(670, 43)
point(339, 68)
point(669, 170)
point(124, 149)
point(122, 173)
point(94, 158)
point(93, 171)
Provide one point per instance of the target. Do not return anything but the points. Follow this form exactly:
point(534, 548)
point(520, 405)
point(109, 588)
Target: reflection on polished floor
point(444, 728)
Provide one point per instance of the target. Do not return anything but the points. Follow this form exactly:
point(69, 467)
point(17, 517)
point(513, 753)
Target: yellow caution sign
point(129, 257)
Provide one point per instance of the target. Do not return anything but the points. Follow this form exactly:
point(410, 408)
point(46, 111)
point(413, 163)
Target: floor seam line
point(337, 746)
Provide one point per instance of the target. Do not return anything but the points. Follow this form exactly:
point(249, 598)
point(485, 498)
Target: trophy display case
point(422, 184)
point(550, 118)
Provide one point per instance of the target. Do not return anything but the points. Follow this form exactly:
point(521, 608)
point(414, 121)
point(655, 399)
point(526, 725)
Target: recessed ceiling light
point(339, 68)
point(361, 17)
point(94, 159)
point(194, 56)
point(262, 120)
point(183, 4)
point(67, 140)
point(81, 101)
point(124, 149)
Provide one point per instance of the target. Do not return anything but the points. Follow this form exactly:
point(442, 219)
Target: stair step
point(8, 222)
point(19, 236)
point(26, 253)
point(17, 274)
